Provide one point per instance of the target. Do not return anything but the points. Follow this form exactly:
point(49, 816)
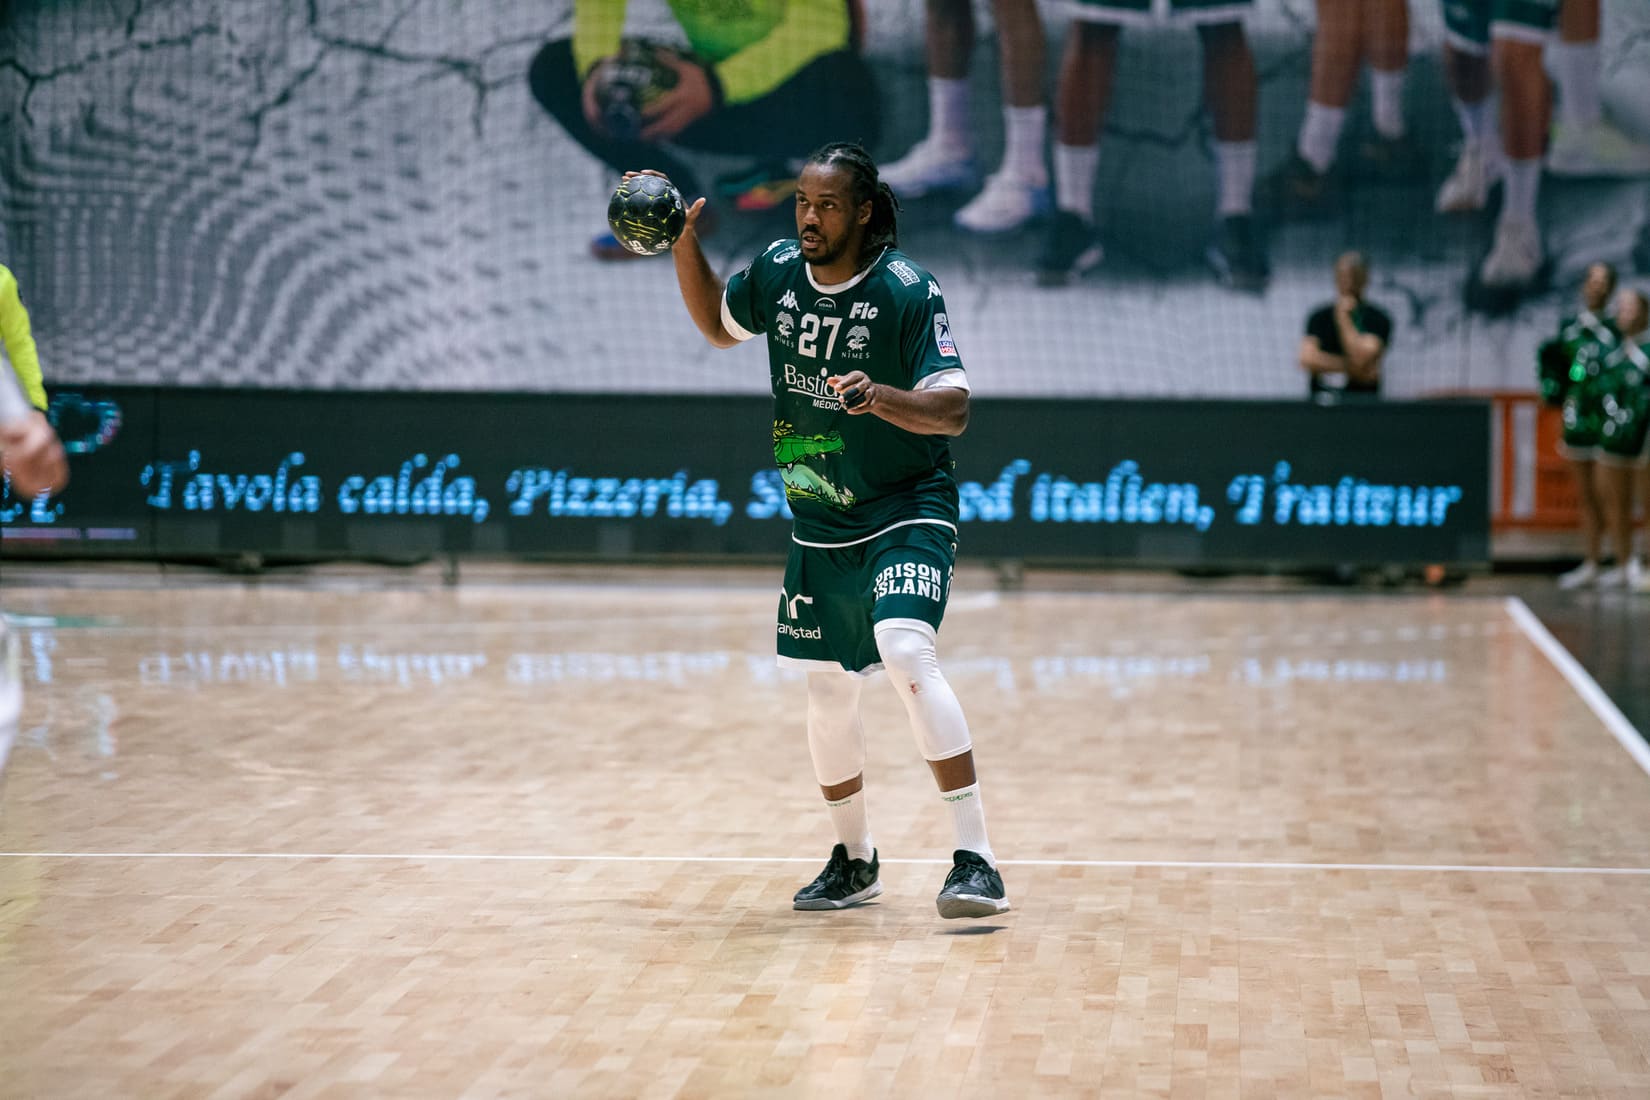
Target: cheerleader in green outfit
point(1623, 434)
point(1569, 366)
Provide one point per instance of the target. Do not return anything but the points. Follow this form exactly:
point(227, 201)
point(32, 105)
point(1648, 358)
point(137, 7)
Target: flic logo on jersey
point(910, 578)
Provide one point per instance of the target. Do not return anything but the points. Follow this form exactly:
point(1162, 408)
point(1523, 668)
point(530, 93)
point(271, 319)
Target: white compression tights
point(836, 739)
point(914, 667)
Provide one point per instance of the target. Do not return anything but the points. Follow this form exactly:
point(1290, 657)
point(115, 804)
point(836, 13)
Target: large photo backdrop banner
point(393, 194)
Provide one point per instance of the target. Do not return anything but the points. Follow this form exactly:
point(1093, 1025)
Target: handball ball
point(628, 82)
point(646, 214)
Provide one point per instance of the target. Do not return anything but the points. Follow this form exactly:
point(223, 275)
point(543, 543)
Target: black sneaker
point(1237, 255)
point(1072, 248)
point(1296, 190)
point(972, 889)
point(842, 883)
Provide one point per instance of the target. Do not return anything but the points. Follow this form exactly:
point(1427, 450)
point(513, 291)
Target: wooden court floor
point(540, 841)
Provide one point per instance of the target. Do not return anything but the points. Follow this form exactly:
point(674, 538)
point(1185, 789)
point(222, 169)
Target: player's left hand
point(856, 389)
point(677, 109)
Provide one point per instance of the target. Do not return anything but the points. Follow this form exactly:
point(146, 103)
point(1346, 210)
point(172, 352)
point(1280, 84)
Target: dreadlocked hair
point(883, 229)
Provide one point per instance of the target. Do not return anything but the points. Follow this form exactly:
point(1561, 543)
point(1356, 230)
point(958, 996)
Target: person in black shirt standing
point(1346, 339)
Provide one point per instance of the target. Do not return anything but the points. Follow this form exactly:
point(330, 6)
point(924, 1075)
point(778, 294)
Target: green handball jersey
point(1583, 401)
point(849, 478)
point(1558, 355)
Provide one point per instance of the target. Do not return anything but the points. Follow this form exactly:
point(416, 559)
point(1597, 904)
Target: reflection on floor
point(1609, 633)
point(541, 841)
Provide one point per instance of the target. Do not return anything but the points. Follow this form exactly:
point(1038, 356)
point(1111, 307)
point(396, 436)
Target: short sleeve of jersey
point(743, 314)
point(925, 327)
point(1378, 323)
point(1321, 325)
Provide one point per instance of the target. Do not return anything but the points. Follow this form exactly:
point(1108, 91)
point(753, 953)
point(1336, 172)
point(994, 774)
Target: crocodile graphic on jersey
point(802, 482)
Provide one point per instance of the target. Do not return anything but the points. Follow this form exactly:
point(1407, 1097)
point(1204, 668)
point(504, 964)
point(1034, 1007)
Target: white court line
point(1586, 687)
point(1186, 864)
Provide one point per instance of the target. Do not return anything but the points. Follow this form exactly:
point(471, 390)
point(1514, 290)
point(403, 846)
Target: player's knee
point(907, 653)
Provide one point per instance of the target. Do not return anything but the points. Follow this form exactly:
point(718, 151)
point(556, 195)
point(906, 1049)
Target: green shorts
point(1147, 12)
point(1469, 24)
point(834, 596)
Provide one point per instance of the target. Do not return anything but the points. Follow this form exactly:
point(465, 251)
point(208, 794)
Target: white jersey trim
point(952, 378)
point(876, 534)
point(735, 329)
point(813, 665)
point(838, 288)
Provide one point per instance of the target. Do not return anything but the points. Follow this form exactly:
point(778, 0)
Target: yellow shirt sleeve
point(14, 332)
point(807, 31)
point(597, 27)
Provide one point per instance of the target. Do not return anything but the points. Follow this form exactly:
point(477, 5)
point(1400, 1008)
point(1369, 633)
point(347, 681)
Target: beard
point(828, 251)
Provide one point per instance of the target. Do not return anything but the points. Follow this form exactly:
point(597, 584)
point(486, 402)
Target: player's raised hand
point(33, 456)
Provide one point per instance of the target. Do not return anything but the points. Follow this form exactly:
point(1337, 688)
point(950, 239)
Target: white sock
point(1576, 67)
point(1235, 171)
point(1023, 130)
point(1074, 171)
point(948, 112)
point(852, 824)
point(1474, 119)
point(968, 818)
point(1320, 133)
point(1523, 183)
point(1388, 95)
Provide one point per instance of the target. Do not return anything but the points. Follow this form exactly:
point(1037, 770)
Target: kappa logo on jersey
point(788, 255)
point(904, 273)
point(910, 578)
point(784, 324)
point(942, 335)
point(859, 338)
point(933, 289)
point(787, 300)
point(823, 304)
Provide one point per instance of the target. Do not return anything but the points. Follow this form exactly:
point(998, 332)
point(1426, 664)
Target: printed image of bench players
point(1087, 68)
point(1570, 367)
point(772, 84)
point(945, 158)
point(1623, 435)
point(1500, 43)
point(1348, 34)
